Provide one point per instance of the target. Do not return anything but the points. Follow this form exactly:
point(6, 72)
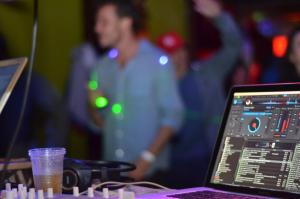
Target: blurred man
point(294, 48)
point(84, 59)
point(144, 108)
point(290, 70)
point(44, 123)
point(202, 92)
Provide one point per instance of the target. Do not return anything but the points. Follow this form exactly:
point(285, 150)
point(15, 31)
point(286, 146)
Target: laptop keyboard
point(209, 195)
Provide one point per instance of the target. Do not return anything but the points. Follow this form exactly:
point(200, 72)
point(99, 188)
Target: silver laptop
point(10, 71)
point(257, 153)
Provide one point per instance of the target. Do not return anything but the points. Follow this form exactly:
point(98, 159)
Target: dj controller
point(128, 192)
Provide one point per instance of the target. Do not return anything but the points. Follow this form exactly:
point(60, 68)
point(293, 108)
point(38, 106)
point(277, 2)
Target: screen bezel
point(21, 62)
point(241, 189)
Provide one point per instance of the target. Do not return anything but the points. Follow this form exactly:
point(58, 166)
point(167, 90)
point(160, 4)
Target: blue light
point(163, 60)
point(113, 53)
point(256, 113)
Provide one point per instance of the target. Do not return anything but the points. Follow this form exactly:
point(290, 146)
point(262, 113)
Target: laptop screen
point(6, 75)
point(260, 147)
point(10, 71)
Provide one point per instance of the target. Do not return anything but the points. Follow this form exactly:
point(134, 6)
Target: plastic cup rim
point(42, 152)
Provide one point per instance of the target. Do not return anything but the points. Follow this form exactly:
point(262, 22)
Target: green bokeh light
point(93, 85)
point(101, 102)
point(116, 109)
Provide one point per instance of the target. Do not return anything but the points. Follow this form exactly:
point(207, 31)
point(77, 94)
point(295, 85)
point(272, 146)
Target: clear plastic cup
point(47, 168)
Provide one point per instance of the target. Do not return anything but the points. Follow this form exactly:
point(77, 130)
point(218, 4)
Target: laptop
point(257, 153)
point(10, 71)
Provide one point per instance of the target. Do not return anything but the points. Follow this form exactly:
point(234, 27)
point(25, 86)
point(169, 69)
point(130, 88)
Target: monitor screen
point(6, 75)
point(260, 147)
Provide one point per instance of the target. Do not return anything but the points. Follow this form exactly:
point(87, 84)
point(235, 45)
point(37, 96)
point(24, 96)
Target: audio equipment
point(84, 173)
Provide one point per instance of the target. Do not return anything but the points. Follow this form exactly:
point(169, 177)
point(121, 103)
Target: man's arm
point(172, 111)
point(97, 119)
point(95, 113)
point(224, 59)
point(161, 140)
point(143, 164)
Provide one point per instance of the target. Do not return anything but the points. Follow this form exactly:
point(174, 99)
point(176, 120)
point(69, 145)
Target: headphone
point(84, 173)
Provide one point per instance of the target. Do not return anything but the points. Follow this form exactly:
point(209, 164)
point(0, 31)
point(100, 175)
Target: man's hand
point(208, 8)
point(162, 139)
point(92, 97)
point(142, 167)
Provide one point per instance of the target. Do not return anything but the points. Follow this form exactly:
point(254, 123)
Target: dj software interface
point(261, 144)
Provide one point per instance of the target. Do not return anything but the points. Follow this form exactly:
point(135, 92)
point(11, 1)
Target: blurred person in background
point(201, 88)
point(45, 120)
point(144, 108)
point(84, 59)
point(290, 69)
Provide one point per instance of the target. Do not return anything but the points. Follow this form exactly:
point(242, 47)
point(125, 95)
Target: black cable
point(27, 87)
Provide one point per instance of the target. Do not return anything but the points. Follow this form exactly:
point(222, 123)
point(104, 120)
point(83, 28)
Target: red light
point(254, 73)
point(279, 43)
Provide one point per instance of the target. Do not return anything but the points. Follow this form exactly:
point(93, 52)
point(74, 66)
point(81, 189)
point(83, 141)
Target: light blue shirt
point(147, 91)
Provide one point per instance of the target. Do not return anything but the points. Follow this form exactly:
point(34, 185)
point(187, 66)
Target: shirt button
point(119, 153)
point(119, 134)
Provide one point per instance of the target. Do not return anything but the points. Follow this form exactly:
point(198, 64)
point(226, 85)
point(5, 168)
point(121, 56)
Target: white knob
point(31, 194)
point(20, 187)
point(75, 191)
point(22, 195)
point(24, 191)
point(15, 192)
point(20, 191)
point(105, 192)
point(90, 192)
point(9, 195)
point(8, 187)
point(121, 193)
point(32, 190)
point(40, 194)
point(50, 193)
point(129, 195)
